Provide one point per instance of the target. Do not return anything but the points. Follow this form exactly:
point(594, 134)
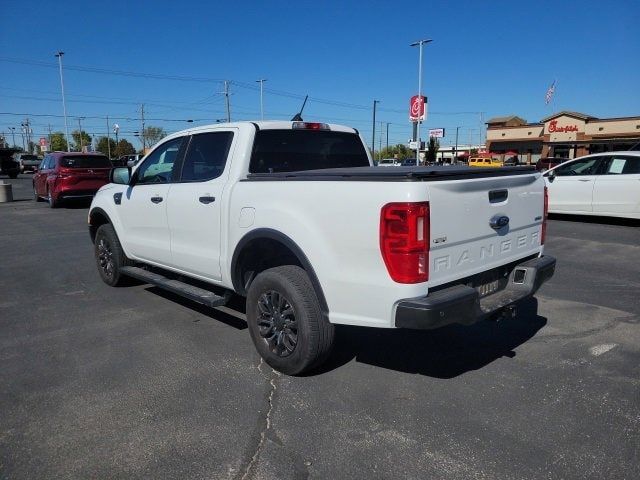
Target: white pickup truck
point(295, 217)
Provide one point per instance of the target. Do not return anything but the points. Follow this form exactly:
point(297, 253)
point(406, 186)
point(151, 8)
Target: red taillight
point(404, 241)
point(545, 214)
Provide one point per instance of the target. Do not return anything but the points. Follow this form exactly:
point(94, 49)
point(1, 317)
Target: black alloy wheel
point(277, 323)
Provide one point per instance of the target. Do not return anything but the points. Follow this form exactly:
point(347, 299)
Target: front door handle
point(156, 199)
point(585, 179)
point(207, 199)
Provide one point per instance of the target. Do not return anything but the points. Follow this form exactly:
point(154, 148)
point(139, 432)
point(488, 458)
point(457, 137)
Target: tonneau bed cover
point(393, 174)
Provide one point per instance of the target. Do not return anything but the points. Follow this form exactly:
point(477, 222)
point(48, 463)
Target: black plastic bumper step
point(200, 295)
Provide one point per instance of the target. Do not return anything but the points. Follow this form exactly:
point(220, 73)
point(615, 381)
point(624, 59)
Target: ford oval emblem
point(499, 221)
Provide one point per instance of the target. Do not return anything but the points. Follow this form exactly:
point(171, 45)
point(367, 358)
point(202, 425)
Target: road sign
point(417, 108)
point(43, 141)
point(413, 145)
point(436, 132)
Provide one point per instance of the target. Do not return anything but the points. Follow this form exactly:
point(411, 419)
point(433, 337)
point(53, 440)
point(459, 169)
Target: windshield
point(28, 157)
point(297, 150)
point(90, 161)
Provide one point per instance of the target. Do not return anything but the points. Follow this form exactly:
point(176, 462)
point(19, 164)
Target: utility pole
point(142, 135)
point(387, 135)
point(373, 134)
point(64, 105)
point(108, 139)
point(380, 141)
point(13, 135)
point(49, 149)
point(455, 150)
point(226, 96)
point(261, 82)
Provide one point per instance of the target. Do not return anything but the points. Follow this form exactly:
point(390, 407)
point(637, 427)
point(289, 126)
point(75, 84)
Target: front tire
point(286, 322)
point(36, 197)
point(110, 257)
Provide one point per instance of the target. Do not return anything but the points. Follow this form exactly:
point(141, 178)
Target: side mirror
point(550, 174)
point(120, 175)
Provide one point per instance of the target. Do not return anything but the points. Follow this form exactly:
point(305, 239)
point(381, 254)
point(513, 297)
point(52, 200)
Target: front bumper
point(462, 303)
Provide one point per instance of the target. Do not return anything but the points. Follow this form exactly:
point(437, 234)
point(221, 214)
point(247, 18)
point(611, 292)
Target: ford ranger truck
point(294, 217)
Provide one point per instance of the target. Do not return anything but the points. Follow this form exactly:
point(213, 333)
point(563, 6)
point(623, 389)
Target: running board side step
point(200, 295)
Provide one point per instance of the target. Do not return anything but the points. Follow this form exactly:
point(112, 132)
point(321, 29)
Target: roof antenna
point(298, 116)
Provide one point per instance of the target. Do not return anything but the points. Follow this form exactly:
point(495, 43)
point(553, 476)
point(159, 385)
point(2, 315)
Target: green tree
point(124, 147)
point(106, 145)
point(58, 142)
point(432, 150)
point(395, 151)
point(77, 135)
point(153, 135)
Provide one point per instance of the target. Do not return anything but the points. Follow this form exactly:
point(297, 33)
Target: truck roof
point(261, 125)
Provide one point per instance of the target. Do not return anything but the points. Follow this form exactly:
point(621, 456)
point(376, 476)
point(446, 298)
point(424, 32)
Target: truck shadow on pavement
point(445, 353)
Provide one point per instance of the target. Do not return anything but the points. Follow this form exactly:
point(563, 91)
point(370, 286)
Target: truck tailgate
point(463, 241)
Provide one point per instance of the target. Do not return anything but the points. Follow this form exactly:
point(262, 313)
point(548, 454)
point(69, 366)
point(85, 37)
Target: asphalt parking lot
point(98, 382)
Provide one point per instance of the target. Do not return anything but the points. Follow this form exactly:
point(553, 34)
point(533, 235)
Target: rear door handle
point(585, 179)
point(156, 199)
point(207, 199)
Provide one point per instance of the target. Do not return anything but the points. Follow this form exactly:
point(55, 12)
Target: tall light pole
point(116, 129)
point(80, 133)
point(64, 105)
point(13, 135)
point(261, 82)
point(414, 44)
point(373, 134)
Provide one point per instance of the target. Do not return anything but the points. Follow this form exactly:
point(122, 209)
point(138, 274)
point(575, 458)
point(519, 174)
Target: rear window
point(298, 150)
point(90, 161)
point(28, 157)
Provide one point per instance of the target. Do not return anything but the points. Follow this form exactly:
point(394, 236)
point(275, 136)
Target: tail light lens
point(404, 241)
point(545, 214)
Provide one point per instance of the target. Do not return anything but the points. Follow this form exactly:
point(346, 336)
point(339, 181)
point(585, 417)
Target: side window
point(588, 166)
point(623, 165)
point(206, 156)
point(158, 167)
point(43, 163)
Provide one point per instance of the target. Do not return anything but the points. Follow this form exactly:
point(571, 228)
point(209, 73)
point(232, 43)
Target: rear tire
point(286, 322)
point(110, 257)
point(53, 203)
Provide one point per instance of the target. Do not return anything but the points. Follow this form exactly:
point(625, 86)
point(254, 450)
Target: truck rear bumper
point(462, 303)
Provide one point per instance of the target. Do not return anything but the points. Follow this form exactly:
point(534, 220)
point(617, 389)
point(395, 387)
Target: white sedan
point(606, 184)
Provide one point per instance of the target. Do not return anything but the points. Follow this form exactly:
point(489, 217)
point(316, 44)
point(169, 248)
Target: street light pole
point(261, 82)
point(80, 133)
point(373, 134)
point(414, 44)
point(64, 105)
point(13, 135)
point(455, 151)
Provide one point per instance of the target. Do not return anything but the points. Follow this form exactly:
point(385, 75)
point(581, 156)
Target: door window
point(206, 156)
point(587, 166)
point(158, 167)
point(623, 165)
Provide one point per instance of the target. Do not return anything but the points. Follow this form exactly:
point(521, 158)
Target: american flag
point(550, 92)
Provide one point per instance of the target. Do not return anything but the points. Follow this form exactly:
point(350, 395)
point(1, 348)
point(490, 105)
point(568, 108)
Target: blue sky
point(487, 58)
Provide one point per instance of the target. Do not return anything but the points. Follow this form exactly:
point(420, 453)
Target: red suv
point(70, 175)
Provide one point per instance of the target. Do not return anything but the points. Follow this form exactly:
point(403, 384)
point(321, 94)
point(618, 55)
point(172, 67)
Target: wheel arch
point(97, 217)
point(265, 248)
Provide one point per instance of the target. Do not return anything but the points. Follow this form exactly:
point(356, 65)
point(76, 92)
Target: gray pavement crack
point(265, 422)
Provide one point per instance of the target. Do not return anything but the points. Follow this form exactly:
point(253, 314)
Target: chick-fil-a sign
point(553, 127)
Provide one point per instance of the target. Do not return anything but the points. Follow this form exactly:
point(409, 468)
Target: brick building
point(564, 134)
